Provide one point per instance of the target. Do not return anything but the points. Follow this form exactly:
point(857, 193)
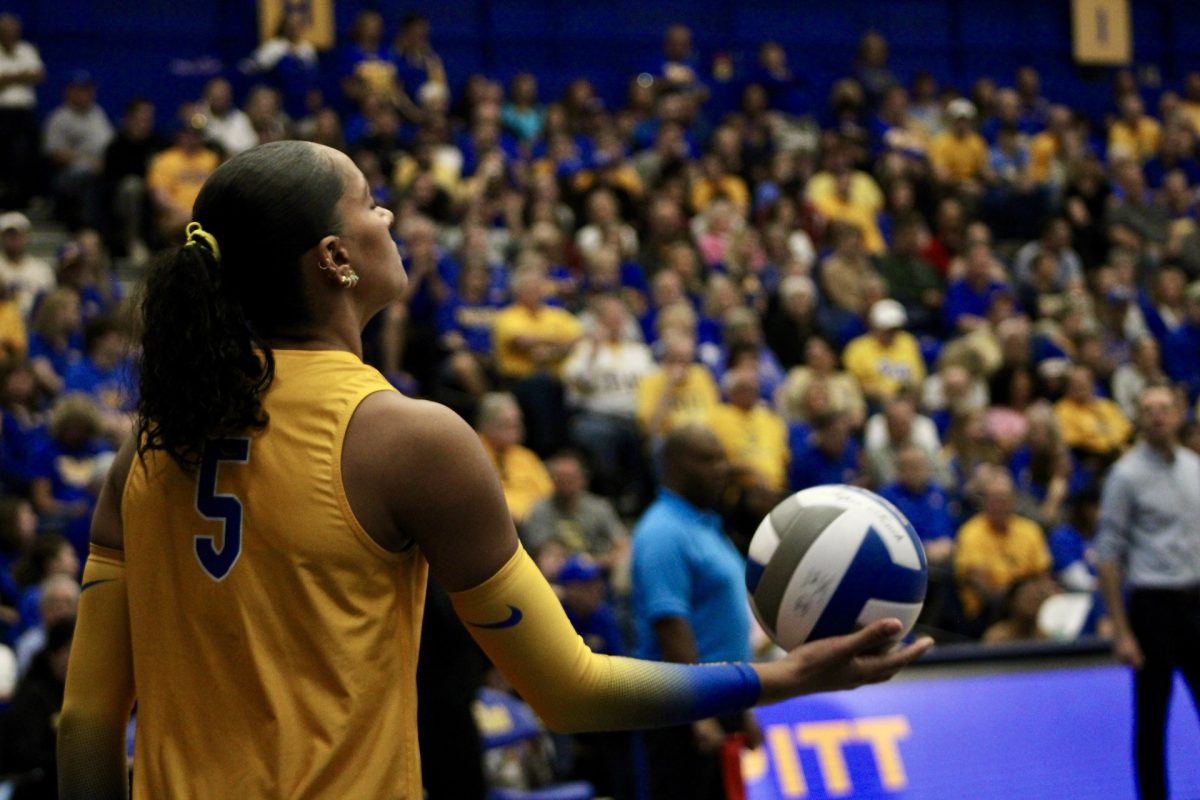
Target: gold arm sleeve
point(518, 621)
point(100, 691)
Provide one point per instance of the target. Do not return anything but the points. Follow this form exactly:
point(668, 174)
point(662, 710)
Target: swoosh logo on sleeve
point(90, 584)
point(514, 616)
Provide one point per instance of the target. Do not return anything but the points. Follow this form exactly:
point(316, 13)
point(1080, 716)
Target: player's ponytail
point(210, 305)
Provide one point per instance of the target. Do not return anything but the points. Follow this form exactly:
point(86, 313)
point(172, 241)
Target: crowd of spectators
point(951, 295)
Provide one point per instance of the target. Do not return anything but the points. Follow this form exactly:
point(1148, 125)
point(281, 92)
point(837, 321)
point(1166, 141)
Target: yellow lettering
point(492, 720)
point(827, 738)
point(883, 734)
point(754, 765)
point(787, 763)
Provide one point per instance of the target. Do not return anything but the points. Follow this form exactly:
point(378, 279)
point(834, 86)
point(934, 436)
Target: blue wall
point(166, 50)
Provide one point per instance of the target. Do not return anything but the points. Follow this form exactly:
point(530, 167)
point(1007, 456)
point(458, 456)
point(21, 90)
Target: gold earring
point(349, 278)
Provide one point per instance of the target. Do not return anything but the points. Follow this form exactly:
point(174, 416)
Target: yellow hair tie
point(196, 234)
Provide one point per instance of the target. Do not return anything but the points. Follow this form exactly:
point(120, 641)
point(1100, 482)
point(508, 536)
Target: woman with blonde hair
point(56, 337)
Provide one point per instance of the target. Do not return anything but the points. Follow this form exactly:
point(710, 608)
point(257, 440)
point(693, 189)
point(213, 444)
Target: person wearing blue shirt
point(465, 315)
point(104, 373)
point(20, 436)
point(1072, 546)
point(18, 526)
point(581, 580)
point(785, 90)
point(689, 602)
point(969, 298)
point(522, 114)
point(1174, 153)
point(416, 61)
point(464, 320)
point(68, 469)
point(931, 511)
point(602, 759)
point(927, 505)
point(56, 337)
point(1181, 347)
point(679, 65)
point(824, 453)
point(365, 67)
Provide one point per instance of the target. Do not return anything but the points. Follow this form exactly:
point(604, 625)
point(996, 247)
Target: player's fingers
point(877, 669)
point(871, 638)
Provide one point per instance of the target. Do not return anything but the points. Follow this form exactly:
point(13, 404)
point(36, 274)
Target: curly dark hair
point(205, 362)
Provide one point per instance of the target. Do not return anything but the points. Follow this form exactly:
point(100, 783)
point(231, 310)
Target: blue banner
point(1053, 734)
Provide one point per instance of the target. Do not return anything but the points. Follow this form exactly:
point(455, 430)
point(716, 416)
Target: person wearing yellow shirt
point(839, 205)
point(995, 549)
point(13, 339)
point(754, 437)
point(887, 359)
point(1090, 423)
point(715, 182)
point(959, 155)
point(523, 476)
point(1134, 133)
point(1046, 149)
point(679, 392)
point(176, 174)
point(863, 191)
point(531, 341)
point(530, 336)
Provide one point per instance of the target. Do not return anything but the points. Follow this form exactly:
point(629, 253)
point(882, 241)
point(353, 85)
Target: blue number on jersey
point(224, 507)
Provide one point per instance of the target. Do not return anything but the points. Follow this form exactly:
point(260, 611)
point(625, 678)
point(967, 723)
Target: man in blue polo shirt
point(689, 603)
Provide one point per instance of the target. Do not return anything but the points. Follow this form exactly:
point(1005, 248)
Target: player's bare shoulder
point(403, 428)
point(414, 470)
point(401, 446)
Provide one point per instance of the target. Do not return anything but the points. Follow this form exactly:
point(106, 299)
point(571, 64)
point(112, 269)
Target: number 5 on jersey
point(224, 507)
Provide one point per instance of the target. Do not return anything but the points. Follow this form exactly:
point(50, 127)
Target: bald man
point(689, 604)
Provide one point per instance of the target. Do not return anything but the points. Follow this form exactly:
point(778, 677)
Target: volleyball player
point(258, 557)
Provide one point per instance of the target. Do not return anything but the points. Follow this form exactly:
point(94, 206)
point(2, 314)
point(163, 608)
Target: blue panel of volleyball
point(831, 559)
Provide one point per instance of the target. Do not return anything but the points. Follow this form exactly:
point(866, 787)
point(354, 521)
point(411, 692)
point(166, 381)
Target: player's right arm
point(439, 489)
point(99, 693)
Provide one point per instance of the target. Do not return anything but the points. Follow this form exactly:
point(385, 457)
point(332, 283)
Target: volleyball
point(831, 559)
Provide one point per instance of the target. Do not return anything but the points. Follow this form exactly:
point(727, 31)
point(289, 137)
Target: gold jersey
point(274, 642)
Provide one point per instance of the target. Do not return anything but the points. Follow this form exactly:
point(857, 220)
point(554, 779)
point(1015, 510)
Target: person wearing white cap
point(886, 359)
point(24, 275)
point(959, 155)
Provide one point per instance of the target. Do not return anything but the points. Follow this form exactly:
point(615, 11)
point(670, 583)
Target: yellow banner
point(1101, 32)
point(317, 15)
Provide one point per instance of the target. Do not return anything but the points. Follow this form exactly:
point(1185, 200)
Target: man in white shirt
point(76, 136)
point(1148, 547)
point(227, 125)
point(602, 374)
point(891, 430)
point(23, 275)
point(20, 70)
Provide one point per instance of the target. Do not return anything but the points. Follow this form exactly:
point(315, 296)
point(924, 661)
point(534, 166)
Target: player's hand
point(840, 662)
point(1127, 650)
